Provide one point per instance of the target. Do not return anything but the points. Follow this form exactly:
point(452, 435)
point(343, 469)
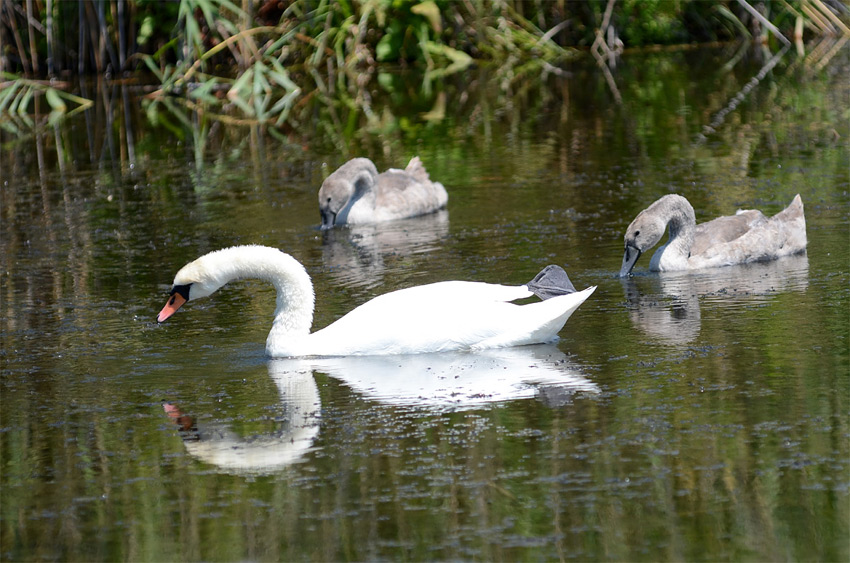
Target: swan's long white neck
point(293, 314)
point(681, 221)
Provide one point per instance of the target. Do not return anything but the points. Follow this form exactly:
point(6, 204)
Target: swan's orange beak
point(174, 302)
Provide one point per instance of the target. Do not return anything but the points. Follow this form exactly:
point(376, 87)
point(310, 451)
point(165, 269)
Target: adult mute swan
point(747, 236)
point(355, 193)
point(451, 315)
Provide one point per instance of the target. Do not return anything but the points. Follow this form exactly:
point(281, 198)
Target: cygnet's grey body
point(747, 236)
point(355, 193)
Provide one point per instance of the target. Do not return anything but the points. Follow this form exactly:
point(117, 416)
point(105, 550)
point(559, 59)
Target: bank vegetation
point(258, 60)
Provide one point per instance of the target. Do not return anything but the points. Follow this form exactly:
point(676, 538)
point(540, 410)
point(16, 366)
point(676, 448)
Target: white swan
point(451, 315)
point(747, 236)
point(355, 193)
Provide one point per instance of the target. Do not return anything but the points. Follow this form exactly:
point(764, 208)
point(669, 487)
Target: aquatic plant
point(17, 94)
point(257, 61)
point(47, 37)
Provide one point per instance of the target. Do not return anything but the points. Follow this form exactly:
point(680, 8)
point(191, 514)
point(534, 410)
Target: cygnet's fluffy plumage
point(355, 193)
point(747, 236)
point(450, 315)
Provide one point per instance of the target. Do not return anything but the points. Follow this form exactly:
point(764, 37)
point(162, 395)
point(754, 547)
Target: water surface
point(679, 417)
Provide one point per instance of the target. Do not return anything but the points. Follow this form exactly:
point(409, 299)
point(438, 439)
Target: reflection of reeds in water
point(46, 254)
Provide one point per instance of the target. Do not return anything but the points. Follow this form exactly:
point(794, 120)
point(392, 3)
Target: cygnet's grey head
point(341, 189)
point(643, 233)
point(649, 226)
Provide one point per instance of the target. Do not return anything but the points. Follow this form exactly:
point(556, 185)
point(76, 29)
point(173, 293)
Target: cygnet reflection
point(666, 306)
point(356, 256)
point(457, 380)
point(671, 316)
point(218, 445)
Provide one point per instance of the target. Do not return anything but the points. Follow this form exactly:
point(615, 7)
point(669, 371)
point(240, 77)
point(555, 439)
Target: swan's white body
point(356, 194)
point(748, 236)
point(452, 315)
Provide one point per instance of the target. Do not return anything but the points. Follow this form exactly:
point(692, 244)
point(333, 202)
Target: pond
point(699, 416)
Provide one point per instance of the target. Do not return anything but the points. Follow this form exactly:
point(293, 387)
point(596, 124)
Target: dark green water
point(680, 417)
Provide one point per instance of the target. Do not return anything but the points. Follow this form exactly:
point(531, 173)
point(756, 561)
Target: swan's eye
point(329, 200)
point(637, 234)
point(183, 290)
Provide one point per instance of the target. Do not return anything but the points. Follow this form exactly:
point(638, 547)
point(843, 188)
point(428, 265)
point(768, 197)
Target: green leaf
point(243, 81)
point(241, 90)
point(282, 77)
point(27, 120)
point(25, 101)
point(178, 113)
point(386, 50)
point(261, 85)
point(55, 100)
point(8, 125)
point(431, 12)
point(55, 117)
point(204, 92)
point(16, 100)
point(193, 34)
point(232, 7)
point(284, 103)
point(260, 92)
point(8, 94)
point(153, 67)
point(145, 30)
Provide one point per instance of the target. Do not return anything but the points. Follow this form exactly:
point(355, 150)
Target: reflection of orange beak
point(185, 423)
point(175, 302)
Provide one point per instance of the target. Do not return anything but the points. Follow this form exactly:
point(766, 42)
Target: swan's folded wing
point(536, 322)
point(449, 292)
point(447, 301)
point(399, 194)
point(767, 242)
point(447, 316)
point(725, 229)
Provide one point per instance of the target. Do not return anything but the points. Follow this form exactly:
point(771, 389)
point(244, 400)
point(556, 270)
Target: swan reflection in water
point(455, 380)
point(216, 444)
point(667, 306)
point(431, 383)
point(356, 255)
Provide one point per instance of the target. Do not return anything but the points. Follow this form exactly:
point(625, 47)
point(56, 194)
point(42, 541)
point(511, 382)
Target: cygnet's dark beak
point(629, 258)
point(328, 219)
